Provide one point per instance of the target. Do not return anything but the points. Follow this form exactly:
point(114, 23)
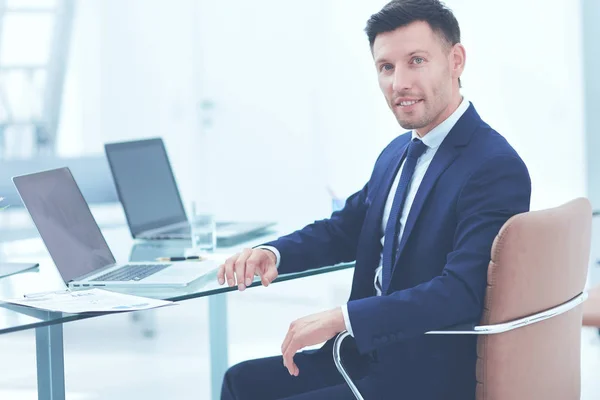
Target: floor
point(109, 357)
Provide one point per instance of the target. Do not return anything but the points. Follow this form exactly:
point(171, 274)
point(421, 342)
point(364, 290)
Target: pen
point(198, 258)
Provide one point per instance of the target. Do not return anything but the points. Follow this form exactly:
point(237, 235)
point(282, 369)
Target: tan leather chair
point(529, 346)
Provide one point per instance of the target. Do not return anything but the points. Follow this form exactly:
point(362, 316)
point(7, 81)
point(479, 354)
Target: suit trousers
point(268, 379)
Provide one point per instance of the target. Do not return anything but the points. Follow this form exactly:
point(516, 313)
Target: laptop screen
point(65, 222)
point(145, 183)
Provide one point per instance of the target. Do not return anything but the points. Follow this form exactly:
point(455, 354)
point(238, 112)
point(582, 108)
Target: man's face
point(417, 73)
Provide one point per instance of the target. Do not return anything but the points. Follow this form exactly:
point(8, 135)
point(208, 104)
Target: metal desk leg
point(219, 362)
point(50, 362)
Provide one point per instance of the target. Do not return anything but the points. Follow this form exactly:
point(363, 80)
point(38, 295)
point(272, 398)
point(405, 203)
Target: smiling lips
point(406, 103)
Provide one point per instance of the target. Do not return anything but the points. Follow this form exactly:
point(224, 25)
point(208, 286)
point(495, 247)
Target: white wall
point(142, 68)
point(261, 64)
point(131, 75)
point(297, 106)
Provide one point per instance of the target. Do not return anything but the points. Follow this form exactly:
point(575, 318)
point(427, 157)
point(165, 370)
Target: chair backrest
point(539, 260)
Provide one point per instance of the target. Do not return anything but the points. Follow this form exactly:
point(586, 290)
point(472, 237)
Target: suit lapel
point(383, 190)
point(459, 136)
point(371, 233)
point(442, 160)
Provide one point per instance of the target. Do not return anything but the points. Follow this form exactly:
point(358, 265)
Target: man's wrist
point(338, 321)
point(272, 251)
point(271, 254)
point(346, 317)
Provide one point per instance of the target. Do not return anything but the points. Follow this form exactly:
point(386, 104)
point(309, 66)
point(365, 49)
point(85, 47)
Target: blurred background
point(267, 108)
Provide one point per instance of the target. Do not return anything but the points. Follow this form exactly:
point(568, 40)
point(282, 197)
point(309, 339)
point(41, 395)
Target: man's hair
point(399, 13)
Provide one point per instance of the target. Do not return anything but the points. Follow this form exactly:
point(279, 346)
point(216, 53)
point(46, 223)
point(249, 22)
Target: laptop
point(77, 246)
point(151, 200)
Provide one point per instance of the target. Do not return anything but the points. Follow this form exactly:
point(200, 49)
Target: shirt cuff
point(272, 250)
point(347, 319)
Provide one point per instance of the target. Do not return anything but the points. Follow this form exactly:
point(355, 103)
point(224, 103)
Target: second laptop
point(140, 167)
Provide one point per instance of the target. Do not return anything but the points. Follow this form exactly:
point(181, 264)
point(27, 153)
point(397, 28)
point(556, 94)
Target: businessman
point(420, 230)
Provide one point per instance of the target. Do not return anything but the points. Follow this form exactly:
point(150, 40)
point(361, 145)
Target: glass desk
point(48, 325)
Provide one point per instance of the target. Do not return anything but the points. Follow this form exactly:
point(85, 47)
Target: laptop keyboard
point(177, 230)
point(135, 272)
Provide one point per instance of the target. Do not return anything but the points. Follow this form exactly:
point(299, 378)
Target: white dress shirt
point(432, 140)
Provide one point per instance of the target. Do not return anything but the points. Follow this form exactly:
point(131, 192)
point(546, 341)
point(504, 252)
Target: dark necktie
point(390, 245)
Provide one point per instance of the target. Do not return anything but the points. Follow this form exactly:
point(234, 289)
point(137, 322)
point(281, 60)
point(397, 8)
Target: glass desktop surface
point(46, 278)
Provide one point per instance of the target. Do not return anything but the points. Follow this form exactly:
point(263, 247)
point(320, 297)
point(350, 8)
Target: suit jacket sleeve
point(325, 242)
point(494, 192)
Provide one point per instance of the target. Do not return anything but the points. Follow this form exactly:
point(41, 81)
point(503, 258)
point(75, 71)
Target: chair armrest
point(337, 359)
point(514, 324)
point(465, 329)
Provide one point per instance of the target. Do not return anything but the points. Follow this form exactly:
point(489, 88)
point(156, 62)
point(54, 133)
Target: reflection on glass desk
point(8, 269)
point(48, 325)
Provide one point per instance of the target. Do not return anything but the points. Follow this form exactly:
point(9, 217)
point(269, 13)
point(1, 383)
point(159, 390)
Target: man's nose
point(402, 81)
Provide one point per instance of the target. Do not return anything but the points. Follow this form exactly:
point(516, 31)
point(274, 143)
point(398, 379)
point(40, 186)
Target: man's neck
point(450, 109)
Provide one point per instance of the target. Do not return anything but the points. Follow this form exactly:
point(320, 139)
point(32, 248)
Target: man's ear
point(458, 58)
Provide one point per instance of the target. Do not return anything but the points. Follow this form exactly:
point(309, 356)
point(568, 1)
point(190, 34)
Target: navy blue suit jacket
point(474, 184)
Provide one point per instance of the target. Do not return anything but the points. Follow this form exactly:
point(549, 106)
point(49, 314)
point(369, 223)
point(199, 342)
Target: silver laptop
point(78, 248)
point(151, 200)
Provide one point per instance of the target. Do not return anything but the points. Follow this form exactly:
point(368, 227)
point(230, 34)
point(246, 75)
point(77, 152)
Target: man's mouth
point(407, 103)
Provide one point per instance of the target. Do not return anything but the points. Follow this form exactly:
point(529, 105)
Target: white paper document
point(90, 300)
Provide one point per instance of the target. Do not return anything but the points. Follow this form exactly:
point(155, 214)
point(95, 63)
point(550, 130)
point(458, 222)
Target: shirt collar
point(436, 136)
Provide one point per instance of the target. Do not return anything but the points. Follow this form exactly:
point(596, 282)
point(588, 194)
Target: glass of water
point(203, 228)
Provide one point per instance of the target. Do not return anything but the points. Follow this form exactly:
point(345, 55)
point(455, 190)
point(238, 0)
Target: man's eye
point(418, 60)
point(387, 67)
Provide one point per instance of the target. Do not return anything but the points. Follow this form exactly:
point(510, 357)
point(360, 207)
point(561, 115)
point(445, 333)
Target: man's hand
point(308, 331)
point(242, 267)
